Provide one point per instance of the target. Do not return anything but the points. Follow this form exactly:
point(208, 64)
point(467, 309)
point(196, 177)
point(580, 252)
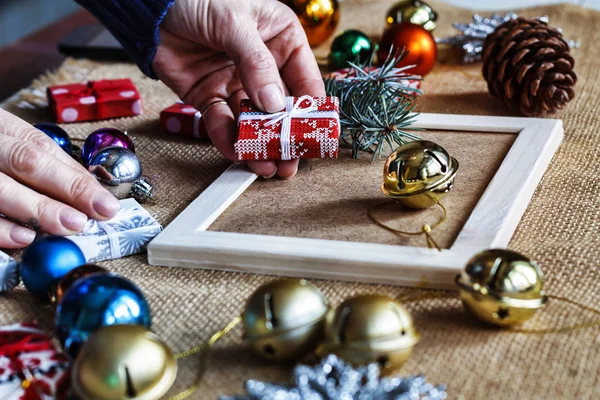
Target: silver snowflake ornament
point(474, 33)
point(333, 379)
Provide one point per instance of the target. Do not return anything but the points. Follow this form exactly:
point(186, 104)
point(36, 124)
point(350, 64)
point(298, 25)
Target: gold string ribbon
point(204, 357)
point(431, 295)
point(425, 230)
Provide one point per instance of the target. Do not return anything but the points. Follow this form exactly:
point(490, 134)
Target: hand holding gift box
point(96, 100)
point(307, 128)
point(127, 233)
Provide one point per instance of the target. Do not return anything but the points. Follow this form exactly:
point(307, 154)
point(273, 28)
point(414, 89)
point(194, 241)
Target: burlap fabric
point(560, 229)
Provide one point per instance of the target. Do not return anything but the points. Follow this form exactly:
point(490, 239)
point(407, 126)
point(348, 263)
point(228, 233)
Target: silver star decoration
point(474, 33)
point(333, 379)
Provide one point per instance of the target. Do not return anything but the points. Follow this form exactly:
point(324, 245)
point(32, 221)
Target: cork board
point(329, 198)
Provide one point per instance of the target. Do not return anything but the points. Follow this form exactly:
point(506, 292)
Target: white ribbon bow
point(292, 110)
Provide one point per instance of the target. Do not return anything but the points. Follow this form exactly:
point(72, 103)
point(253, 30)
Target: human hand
point(227, 50)
point(43, 187)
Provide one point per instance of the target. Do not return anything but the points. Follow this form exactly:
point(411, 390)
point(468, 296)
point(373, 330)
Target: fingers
point(27, 206)
point(266, 169)
point(13, 235)
point(221, 128)
point(287, 169)
point(297, 62)
point(258, 70)
point(31, 165)
point(13, 126)
point(302, 75)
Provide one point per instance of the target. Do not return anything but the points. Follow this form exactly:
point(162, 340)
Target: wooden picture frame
point(187, 243)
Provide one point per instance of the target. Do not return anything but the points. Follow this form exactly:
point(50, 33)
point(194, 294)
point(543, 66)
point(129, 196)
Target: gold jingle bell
point(501, 287)
point(284, 319)
point(370, 328)
point(414, 11)
point(123, 362)
point(419, 174)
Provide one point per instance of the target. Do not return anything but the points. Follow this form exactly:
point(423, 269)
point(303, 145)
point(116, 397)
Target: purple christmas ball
point(103, 138)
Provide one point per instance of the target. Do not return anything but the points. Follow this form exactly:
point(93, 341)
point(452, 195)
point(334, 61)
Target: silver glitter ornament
point(115, 165)
point(473, 34)
point(333, 379)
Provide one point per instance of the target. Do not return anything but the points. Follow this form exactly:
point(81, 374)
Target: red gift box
point(30, 366)
point(307, 128)
point(95, 100)
point(181, 119)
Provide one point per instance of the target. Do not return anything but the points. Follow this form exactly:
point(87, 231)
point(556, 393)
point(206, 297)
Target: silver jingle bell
point(115, 165)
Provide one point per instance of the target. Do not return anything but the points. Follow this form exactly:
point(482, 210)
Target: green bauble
point(350, 45)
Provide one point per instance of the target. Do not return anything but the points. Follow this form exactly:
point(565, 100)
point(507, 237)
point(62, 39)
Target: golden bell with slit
point(370, 328)
point(120, 362)
point(419, 174)
point(414, 11)
point(502, 287)
point(284, 319)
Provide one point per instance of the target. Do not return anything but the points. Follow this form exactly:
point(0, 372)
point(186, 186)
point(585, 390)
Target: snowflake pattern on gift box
point(9, 273)
point(129, 232)
point(133, 236)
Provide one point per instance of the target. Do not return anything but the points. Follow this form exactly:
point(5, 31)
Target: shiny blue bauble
point(57, 134)
point(46, 261)
point(96, 301)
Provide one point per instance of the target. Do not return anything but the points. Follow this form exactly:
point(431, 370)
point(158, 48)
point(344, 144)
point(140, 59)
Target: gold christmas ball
point(123, 362)
point(58, 291)
point(370, 328)
point(419, 174)
point(502, 287)
point(414, 11)
point(319, 18)
point(283, 320)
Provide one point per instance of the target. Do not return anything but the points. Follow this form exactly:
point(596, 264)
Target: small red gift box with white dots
point(94, 101)
point(183, 120)
point(307, 128)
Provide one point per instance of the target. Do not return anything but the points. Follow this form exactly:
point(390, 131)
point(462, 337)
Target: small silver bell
point(142, 190)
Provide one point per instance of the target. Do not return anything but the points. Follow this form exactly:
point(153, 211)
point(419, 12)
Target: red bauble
point(420, 44)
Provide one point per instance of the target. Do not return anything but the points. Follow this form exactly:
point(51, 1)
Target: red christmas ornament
point(420, 44)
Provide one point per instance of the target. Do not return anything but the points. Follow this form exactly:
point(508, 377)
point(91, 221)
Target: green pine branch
point(375, 106)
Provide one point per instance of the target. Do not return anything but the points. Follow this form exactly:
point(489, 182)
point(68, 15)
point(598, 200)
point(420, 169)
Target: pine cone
point(527, 64)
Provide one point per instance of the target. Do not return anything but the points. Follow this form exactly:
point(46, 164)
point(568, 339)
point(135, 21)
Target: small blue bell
point(57, 134)
point(96, 301)
point(46, 261)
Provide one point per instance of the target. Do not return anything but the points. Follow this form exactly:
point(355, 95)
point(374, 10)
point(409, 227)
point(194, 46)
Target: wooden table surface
point(27, 58)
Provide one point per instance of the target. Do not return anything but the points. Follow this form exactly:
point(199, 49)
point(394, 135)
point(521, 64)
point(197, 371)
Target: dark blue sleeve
point(134, 23)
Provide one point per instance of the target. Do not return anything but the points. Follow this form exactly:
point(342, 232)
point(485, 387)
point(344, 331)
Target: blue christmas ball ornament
point(96, 301)
point(46, 261)
point(57, 134)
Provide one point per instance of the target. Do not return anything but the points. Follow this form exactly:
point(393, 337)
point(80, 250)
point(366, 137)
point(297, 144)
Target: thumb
point(258, 71)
